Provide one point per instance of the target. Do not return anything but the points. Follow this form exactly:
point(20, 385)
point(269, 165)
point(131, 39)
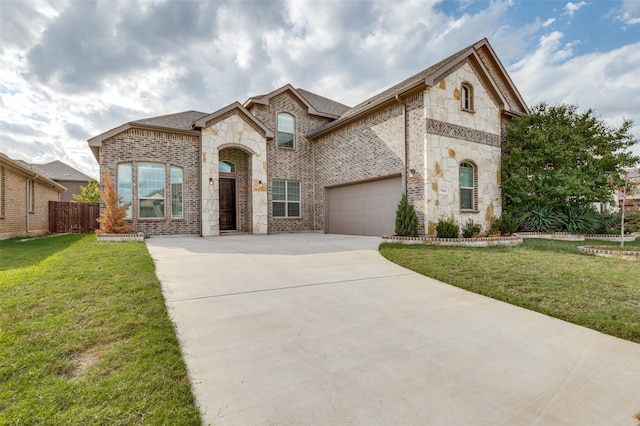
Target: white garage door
point(367, 208)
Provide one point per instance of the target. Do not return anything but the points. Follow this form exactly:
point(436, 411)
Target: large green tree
point(559, 157)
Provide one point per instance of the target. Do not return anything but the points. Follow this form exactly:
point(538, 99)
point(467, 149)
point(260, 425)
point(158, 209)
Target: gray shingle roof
point(59, 171)
point(400, 87)
point(322, 104)
point(391, 92)
point(181, 120)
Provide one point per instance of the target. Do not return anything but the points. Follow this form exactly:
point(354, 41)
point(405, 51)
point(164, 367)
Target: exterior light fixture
point(211, 181)
point(412, 173)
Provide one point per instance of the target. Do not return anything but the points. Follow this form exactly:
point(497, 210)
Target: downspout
point(405, 181)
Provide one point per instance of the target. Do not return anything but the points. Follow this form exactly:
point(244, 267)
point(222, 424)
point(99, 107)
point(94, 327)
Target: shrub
point(579, 220)
point(506, 224)
point(406, 219)
point(447, 228)
point(471, 229)
point(112, 217)
point(538, 218)
point(608, 223)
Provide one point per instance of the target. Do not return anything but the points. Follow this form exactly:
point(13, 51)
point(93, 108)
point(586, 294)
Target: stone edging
point(452, 242)
point(604, 252)
point(562, 236)
point(120, 237)
point(565, 236)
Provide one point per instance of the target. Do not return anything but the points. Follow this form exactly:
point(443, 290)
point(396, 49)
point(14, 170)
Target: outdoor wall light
point(211, 181)
point(260, 183)
point(412, 173)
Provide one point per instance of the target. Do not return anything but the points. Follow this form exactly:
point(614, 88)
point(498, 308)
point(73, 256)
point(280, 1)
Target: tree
point(406, 219)
point(112, 216)
point(89, 193)
point(558, 157)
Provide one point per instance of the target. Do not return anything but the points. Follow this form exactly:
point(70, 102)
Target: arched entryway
point(234, 175)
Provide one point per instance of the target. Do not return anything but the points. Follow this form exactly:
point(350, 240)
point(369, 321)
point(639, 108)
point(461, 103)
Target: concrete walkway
point(313, 329)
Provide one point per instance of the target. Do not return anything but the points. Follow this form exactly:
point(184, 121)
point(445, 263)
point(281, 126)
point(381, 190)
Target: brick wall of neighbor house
point(366, 149)
point(39, 219)
point(15, 204)
point(171, 149)
point(292, 164)
point(453, 136)
point(16, 221)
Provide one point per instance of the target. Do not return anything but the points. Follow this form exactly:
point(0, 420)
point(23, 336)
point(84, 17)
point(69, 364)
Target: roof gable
point(241, 110)
point(315, 104)
point(481, 53)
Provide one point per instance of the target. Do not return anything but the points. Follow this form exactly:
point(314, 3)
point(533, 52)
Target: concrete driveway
point(313, 329)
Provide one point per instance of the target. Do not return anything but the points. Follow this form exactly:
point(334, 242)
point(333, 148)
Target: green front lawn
point(85, 337)
point(550, 277)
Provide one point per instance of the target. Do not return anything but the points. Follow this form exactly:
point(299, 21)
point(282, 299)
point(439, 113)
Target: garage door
point(367, 208)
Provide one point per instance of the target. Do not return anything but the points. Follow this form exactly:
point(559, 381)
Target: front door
point(227, 204)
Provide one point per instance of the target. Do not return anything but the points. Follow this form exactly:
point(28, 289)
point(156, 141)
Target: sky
point(73, 69)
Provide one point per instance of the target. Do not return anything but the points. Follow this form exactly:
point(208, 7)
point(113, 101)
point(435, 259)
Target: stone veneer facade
point(225, 138)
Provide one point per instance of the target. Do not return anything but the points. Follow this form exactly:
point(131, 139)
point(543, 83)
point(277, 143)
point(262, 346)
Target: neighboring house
point(291, 160)
point(65, 175)
point(24, 199)
point(632, 199)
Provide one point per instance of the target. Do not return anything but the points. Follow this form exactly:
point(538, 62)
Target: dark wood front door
point(227, 204)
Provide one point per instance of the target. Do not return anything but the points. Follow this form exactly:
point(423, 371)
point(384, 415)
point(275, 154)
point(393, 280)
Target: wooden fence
point(68, 216)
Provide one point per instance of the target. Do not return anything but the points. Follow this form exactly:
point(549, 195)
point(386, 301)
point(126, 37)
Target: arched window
point(226, 167)
point(466, 97)
point(468, 186)
point(286, 126)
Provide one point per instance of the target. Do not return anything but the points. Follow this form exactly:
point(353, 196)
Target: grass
point(85, 337)
point(550, 277)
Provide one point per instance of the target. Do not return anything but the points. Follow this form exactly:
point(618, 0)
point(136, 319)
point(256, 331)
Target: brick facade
point(291, 164)
point(171, 149)
point(15, 219)
point(366, 149)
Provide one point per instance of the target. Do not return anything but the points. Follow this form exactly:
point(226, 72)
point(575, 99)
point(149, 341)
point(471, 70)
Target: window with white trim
point(151, 190)
point(286, 198)
point(31, 205)
point(286, 127)
point(176, 192)
point(468, 185)
point(466, 97)
point(125, 188)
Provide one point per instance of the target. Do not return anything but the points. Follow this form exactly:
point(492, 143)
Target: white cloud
point(571, 8)
point(628, 12)
point(604, 81)
point(70, 69)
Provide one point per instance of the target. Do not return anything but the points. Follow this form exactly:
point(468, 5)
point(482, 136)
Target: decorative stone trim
point(121, 237)
point(609, 237)
point(561, 236)
point(565, 236)
point(459, 132)
point(514, 240)
point(604, 251)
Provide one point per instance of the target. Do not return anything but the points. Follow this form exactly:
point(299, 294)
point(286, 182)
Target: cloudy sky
point(72, 69)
